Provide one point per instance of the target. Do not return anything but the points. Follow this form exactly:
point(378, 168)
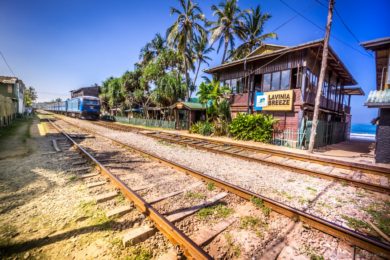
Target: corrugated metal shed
point(379, 98)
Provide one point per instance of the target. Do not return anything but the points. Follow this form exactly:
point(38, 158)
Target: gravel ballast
point(330, 200)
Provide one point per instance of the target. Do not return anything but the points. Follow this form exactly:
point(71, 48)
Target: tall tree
point(321, 78)
point(253, 35)
point(152, 49)
point(181, 34)
point(30, 95)
point(229, 24)
point(201, 49)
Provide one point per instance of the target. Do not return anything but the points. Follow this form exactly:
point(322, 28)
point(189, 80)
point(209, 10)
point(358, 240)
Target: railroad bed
point(369, 177)
point(236, 221)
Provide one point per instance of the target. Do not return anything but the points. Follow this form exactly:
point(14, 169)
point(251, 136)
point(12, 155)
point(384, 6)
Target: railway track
point(359, 175)
point(354, 238)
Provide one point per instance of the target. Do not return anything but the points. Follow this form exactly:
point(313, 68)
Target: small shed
point(187, 113)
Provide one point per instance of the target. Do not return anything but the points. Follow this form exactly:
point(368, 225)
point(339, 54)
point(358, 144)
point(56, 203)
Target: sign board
point(274, 100)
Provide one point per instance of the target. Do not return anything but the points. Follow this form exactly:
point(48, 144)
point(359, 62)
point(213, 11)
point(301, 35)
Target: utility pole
point(322, 76)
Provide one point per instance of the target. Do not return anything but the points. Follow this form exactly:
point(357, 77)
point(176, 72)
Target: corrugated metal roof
point(8, 80)
point(378, 98)
point(349, 80)
point(190, 105)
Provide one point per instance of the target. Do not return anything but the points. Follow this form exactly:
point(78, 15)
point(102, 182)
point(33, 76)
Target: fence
point(327, 133)
point(288, 137)
point(147, 122)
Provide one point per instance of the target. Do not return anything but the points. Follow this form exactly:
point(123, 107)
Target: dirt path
point(45, 212)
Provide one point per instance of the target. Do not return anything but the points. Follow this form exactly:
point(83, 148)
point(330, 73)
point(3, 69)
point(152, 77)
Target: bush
point(203, 128)
point(221, 128)
point(256, 127)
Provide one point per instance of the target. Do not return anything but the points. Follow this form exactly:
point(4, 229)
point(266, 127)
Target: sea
point(363, 132)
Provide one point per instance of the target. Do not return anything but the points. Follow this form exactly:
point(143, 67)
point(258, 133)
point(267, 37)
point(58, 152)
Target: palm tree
point(152, 49)
point(214, 96)
point(228, 25)
point(181, 34)
point(201, 49)
point(253, 35)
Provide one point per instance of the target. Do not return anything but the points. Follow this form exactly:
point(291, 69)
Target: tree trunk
point(321, 78)
point(224, 52)
point(197, 71)
point(187, 78)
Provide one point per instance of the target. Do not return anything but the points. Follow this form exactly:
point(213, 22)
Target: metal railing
point(147, 122)
point(327, 133)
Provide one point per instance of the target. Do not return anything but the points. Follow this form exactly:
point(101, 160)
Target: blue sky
point(57, 46)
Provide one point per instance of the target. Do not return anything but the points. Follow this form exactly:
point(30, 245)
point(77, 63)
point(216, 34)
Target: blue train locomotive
point(86, 107)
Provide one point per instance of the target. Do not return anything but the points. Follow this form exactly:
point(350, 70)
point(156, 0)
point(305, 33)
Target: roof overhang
point(353, 91)
point(376, 44)
point(378, 98)
point(333, 59)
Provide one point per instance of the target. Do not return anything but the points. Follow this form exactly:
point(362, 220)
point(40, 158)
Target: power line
point(322, 29)
point(289, 20)
point(344, 24)
point(9, 67)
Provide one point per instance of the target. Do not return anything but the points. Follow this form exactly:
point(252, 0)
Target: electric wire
point(9, 67)
point(322, 29)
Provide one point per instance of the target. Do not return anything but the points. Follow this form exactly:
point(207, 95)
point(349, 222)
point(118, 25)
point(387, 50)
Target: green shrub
point(203, 128)
point(256, 127)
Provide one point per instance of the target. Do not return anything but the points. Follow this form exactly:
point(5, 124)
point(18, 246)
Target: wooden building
point(380, 98)
point(85, 91)
point(187, 113)
point(11, 99)
point(282, 81)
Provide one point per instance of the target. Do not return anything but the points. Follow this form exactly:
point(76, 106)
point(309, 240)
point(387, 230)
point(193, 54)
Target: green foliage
point(249, 222)
point(256, 127)
point(211, 186)
point(228, 25)
point(380, 214)
point(195, 195)
point(259, 203)
point(203, 128)
point(253, 37)
point(30, 95)
point(217, 211)
point(355, 223)
point(139, 253)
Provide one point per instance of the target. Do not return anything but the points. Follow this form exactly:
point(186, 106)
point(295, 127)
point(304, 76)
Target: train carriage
point(87, 107)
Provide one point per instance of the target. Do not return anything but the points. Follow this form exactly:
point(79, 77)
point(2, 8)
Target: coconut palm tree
point(229, 24)
point(253, 35)
point(152, 49)
point(182, 33)
point(201, 49)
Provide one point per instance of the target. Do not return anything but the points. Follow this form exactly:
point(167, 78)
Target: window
point(9, 90)
point(285, 79)
point(267, 82)
point(275, 83)
point(234, 86)
point(279, 80)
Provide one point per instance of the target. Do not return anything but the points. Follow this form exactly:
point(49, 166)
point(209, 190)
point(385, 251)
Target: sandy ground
point(46, 212)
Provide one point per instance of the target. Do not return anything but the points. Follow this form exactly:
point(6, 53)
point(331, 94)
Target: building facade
point(282, 81)
point(11, 99)
point(380, 98)
point(85, 91)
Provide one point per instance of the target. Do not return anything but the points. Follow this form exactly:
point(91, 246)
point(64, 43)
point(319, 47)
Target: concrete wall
point(382, 150)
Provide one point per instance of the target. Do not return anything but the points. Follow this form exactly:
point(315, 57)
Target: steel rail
point(373, 169)
point(302, 170)
point(174, 234)
point(352, 237)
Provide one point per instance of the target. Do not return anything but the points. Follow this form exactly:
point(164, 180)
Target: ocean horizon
point(363, 132)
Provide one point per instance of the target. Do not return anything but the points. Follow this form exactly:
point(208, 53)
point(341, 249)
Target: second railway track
point(352, 237)
point(372, 178)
